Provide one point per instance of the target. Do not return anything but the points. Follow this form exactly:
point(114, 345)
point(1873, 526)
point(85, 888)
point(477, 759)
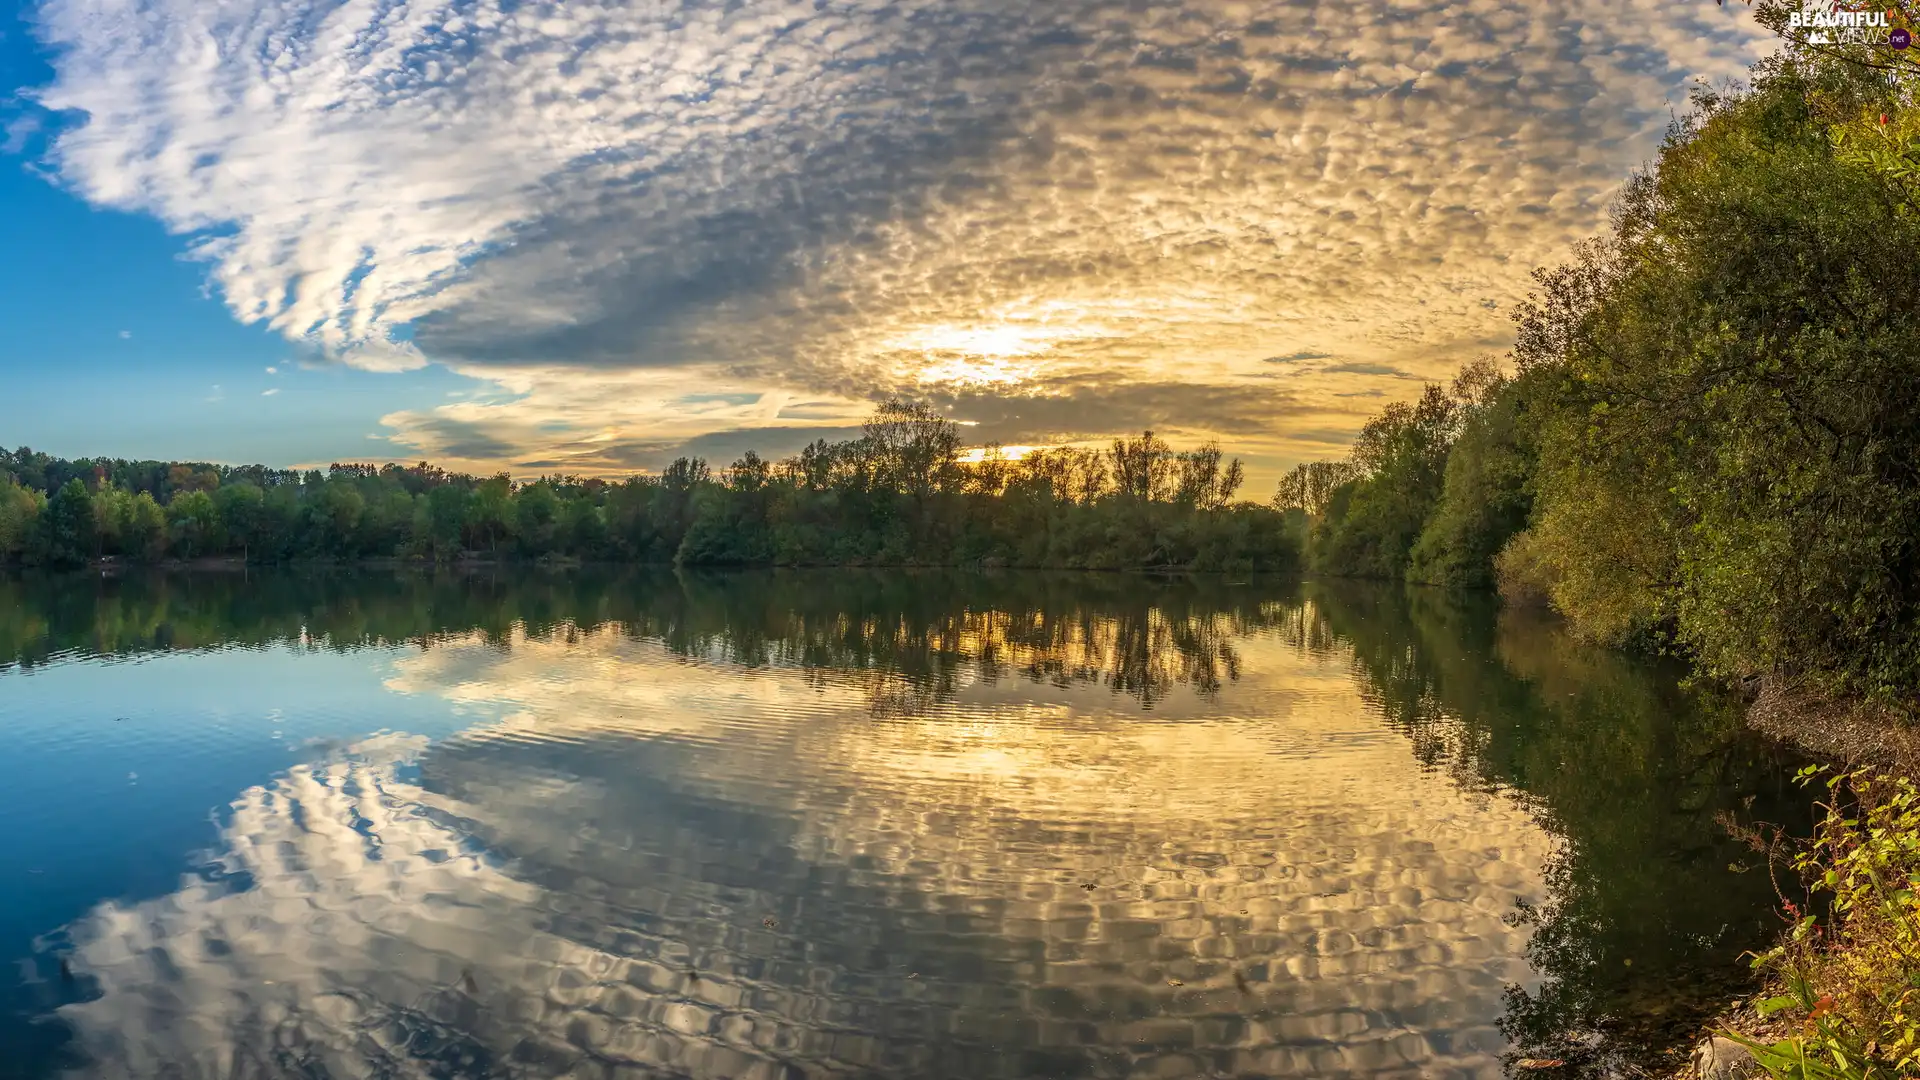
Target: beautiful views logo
point(1850, 24)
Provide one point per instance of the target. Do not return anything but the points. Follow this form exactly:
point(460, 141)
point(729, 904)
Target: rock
point(1720, 1058)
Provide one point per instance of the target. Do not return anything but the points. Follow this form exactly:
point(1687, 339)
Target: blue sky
point(113, 346)
point(595, 235)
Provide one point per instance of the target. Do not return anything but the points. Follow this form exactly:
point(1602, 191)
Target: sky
point(592, 236)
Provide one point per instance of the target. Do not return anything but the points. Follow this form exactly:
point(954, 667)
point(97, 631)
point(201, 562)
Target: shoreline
point(1849, 733)
point(111, 565)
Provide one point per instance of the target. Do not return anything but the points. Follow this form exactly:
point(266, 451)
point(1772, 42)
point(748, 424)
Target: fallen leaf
point(1538, 1063)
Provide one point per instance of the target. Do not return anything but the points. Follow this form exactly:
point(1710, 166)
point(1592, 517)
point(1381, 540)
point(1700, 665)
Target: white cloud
point(18, 132)
point(273, 371)
point(843, 199)
point(269, 393)
point(125, 334)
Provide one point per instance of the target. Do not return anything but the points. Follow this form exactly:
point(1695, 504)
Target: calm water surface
point(845, 824)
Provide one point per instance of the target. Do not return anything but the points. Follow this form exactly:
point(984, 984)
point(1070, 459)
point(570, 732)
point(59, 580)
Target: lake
point(851, 824)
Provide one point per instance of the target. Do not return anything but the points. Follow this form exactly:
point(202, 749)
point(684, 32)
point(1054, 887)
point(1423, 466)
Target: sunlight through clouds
point(1061, 221)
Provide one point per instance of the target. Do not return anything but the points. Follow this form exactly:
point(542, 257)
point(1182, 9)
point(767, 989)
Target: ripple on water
point(647, 865)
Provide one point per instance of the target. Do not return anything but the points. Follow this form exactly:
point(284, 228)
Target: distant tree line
point(1709, 433)
point(901, 494)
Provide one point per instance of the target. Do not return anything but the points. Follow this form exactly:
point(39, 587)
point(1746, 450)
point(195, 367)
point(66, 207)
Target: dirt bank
point(1848, 732)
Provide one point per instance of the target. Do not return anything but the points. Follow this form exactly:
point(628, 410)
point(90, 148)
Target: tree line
point(1708, 433)
point(900, 494)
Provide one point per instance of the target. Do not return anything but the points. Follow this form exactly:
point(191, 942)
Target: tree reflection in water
point(1649, 905)
point(726, 818)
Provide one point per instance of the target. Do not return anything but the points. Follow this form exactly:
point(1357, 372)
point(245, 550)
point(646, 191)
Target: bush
point(1851, 978)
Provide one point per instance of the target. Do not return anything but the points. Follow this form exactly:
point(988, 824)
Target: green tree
point(193, 524)
point(1728, 453)
point(1372, 522)
point(20, 511)
point(493, 513)
point(1485, 499)
point(536, 517)
point(443, 520)
point(143, 531)
point(70, 529)
point(241, 507)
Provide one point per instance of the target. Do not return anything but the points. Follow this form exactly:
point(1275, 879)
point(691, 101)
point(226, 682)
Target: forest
point(1706, 437)
point(900, 495)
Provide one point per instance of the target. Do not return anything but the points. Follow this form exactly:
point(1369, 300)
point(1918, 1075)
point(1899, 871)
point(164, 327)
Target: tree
point(241, 506)
point(1309, 485)
point(748, 475)
point(494, 513)
point(442, 520)
point(915, 450)
point(1399, 460)
point(1142, 466)
point(193, 524)
point(20, 512)
point(70, 530)
point(672, 506)
point(143, 531)
point(1485, 495)
point(898, 494)
point(1201, 481)
point(1730, 425)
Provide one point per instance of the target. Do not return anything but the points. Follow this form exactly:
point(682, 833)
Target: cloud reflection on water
point(582, 888)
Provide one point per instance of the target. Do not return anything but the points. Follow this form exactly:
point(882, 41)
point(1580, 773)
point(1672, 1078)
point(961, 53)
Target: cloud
point(1295, 357)
point(400, 905)
point(1366, 369)
point(844, 200)
point(18, 132)
point(125, 335)
point(273, 371)
point(269, 393)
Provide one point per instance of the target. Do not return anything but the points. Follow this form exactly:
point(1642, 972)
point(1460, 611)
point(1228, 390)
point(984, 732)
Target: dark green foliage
point(1734, 376)
point(1612, 752)
point(1372, 521)
point(1484, 500)
point(899, 495)
point(69, 526)
point(1713, 438)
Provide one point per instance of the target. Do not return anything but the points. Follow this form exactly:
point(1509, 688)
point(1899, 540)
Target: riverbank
point(111, 565)
point(1852, 966)
point(1848, 732)
point(238, 563)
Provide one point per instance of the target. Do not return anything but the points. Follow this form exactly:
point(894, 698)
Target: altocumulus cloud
point(656, 221)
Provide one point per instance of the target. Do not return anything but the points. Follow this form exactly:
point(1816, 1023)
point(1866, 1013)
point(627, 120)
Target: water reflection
point(922, 826)
point(1649, 905)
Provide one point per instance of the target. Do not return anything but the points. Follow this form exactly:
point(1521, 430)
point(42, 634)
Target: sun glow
point(996, 352)
point(978, 454)
point(976, 371)
point(984, 340)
